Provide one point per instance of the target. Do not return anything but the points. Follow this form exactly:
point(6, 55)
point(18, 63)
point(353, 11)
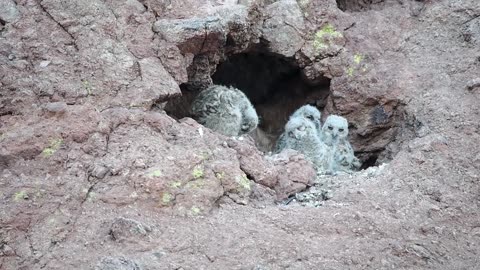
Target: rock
point(8, 11)
point(428, 143)
point(173, 61)
point(6, 250)
point(471, 32)
point(124, 229)
point(253, 163)
point(159, 121)
point(100, 171)
point(209, 33)
point(195, 35)
point(473, 85)
point(117, 263)
point(44, 64)
point(376, 116)
point(56, 107)
point(295, 173)
point(155, 84)
point(283, 28)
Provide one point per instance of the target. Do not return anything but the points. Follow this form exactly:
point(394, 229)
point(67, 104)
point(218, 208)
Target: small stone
point(56, 107)
point(139, 163)
point(128, 229)
point(44, 64)
point(8, 11)
point(100, 172)
point(117, 263)
point(7, 250)
point(473, 85)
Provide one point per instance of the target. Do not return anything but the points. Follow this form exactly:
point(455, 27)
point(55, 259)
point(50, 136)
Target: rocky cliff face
point(101, 168)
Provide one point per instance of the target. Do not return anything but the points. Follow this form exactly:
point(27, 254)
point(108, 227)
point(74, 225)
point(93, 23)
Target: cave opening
point(274, 84)
point(276, 87)
point(359, 5)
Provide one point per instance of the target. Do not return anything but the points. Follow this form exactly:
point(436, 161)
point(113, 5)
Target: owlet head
point(299, 127)
point(335, 128)
point(249, 120)
point(311, 113)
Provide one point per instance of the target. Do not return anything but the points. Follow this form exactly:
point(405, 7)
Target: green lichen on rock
point(198, 172)
point(357, 58)
point(303, 4)
point(205, 156)
point(244, 182)
point(155, 173)
point(357, 65)
point(21, 195)
point(220, 175)
point(166, 198)
point(350, 71)
point(176, 184)
point(52, 148)
point(88, 87)
point(197, 184)
point(322, 39)
point(195, 211)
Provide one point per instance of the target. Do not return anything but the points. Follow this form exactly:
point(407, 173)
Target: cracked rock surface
point(95, 175)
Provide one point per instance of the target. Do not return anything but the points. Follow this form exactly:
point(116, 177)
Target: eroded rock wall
point(94, 175)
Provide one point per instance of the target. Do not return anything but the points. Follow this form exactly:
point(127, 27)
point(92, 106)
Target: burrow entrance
point(359, 5)
point(273, 83)
point(277, 87)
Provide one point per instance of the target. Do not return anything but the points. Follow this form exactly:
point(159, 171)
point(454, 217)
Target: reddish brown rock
point(403, 73)
point(295, 173)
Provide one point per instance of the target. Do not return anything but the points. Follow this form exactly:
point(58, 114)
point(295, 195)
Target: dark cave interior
point(274, 85)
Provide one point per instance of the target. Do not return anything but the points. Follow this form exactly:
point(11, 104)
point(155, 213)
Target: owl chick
point(226, 110)
point(301, 135)
point(308, 112)
point(334, 134)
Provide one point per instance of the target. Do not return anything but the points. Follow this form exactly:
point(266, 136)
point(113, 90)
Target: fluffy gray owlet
point(301, 135)
point(226, 110)
point(308, 112)
point(335, 135)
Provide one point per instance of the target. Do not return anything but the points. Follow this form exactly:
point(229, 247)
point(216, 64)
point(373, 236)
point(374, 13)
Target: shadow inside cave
point(275, 86)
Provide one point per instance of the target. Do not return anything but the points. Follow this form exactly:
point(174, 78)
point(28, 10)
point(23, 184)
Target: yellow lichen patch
point(21, 195)
point(323, 36)
point(195, 210)
point(91, 196)
point(357, 58)
point(196, 184)
point(198, 172)
point(155, 173)
point(303, 3)
point(88, 87)
point(358, 65)
point(244, 182)
point(166, 198)
point(52, 148)
point(205, 156)
point(176, 184)
point(220, 175)
point(350, 71)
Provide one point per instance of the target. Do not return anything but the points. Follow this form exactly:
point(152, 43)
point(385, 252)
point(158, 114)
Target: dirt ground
point(95, 175)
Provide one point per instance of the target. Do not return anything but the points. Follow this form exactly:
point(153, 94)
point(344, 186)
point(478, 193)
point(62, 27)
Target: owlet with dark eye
point(301, 135)
point(335, 135)
point(311, 114)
